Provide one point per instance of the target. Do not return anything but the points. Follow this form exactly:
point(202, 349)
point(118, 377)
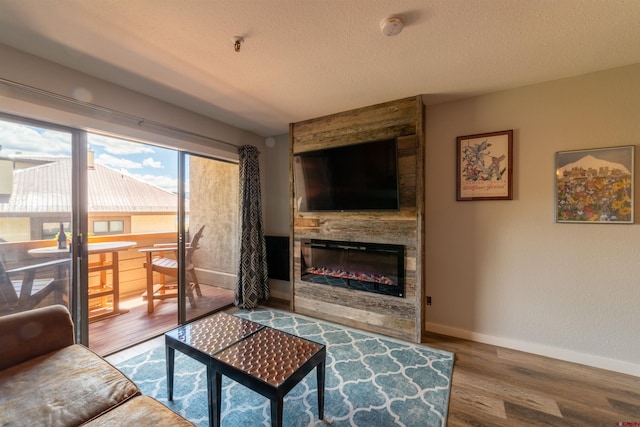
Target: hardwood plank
point(534, 390)
point(493, 386)
point(117, 332)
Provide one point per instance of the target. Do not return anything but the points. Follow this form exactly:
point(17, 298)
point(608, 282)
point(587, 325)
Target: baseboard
point(539, 349)
point(217, 278)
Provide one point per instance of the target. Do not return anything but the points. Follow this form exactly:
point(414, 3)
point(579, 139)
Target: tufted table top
point(214, 333)
point(266, 360)
point(270, 355)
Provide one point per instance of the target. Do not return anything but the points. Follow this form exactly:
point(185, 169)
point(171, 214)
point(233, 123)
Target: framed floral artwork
point(485, 166)
point(595, 185)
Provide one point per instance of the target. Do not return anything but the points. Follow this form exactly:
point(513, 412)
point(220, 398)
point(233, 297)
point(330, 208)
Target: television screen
point(355, 177)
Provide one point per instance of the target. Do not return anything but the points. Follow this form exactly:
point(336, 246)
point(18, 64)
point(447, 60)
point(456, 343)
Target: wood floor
point(494, 386)
point(109, 335)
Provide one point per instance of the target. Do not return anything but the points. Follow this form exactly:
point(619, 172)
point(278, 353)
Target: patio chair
point(169, 267)
point(27, 293)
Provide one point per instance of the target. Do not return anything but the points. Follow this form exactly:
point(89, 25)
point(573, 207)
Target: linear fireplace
point(370, 267)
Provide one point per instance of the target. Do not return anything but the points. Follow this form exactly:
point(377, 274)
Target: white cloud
point(116, 162)
point(165, 182)
point(29, 140)
point(152, 163)
point(119, 146)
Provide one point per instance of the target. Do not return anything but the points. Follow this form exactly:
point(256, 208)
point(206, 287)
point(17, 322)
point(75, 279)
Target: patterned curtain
point(252, 284)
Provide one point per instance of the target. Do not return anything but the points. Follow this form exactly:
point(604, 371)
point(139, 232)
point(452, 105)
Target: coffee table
point(266, 360)
point(270, 362)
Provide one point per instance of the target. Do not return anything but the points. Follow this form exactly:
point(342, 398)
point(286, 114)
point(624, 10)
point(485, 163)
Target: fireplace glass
point(370, 267)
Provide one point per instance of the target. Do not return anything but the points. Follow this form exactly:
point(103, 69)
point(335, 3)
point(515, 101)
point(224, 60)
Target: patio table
point(101, 266)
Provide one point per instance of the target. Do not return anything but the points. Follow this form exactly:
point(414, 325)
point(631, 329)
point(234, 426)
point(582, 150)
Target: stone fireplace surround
point(397, 316)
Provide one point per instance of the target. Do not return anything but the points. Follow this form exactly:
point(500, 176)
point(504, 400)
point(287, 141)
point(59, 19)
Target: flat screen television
point(358, 177)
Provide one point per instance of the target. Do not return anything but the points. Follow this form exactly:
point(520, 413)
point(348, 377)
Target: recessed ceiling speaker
point(270, 141)
point(391, 26)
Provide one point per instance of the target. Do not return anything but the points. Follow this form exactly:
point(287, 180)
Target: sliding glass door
point(132, 208)
point(38, 198)
point(134, 238)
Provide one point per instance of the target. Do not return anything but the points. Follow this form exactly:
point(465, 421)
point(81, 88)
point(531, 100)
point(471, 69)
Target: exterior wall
point(154, 223)
point(213, 202)
point(15, 229)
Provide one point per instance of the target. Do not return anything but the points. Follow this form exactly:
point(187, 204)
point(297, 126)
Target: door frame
point(78, 269)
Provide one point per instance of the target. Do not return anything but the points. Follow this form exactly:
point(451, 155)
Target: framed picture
point(485, 166)
point(595, 185)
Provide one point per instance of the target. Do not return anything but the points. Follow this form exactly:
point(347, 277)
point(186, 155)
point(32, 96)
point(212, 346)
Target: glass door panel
point(211, 205)
point(92, 215)
point(36, 205)
point(132, 222)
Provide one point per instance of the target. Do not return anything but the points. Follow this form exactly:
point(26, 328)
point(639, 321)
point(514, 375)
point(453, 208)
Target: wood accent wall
point(401, 317)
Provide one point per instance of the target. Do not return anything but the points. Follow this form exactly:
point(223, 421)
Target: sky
point(622, 155)
point(153, 165)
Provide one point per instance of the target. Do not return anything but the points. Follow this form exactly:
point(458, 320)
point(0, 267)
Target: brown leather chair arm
point(29, 334)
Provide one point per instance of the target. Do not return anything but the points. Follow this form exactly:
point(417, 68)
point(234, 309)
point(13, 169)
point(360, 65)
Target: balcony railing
point(131, 277)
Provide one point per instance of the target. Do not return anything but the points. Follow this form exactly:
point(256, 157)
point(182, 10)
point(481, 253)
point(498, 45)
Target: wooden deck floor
point(118, 332)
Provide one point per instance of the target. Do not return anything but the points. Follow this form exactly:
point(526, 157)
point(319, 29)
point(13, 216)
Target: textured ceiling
point(307, 58)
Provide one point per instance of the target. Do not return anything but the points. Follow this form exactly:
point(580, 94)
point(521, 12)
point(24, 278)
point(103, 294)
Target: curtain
point(252, 285)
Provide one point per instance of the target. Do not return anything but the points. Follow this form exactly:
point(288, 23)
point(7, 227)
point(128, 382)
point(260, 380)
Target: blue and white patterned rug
point(371, 381)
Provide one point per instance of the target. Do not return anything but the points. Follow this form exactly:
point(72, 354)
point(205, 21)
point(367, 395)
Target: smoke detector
point(391, 26)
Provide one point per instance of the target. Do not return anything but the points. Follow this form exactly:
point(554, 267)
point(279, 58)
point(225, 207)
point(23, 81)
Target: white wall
point(276, 188)
point(504, 272)
point(275, 192)
point(30, 70)
point(501, 271)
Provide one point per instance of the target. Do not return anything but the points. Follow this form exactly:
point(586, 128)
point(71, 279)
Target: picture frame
point(484, 168)
point(595, 186)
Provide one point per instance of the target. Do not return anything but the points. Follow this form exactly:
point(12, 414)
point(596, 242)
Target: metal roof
point(47, 188)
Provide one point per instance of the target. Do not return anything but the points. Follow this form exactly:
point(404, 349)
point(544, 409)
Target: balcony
point(118, 315)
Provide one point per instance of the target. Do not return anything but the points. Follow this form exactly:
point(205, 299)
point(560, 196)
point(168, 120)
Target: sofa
point(46, 379)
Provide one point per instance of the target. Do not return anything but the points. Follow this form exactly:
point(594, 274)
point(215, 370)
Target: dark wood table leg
point(320, 377)
point(214, 389)
point(276, 411)
point(171, 352)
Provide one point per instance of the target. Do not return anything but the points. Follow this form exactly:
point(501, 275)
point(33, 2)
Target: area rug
point(371, 381)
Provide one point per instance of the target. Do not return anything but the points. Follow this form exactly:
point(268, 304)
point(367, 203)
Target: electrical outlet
point(428, 300)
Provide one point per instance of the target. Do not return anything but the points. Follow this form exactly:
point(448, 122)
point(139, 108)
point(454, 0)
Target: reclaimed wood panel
point(356, 317)
point(402, 317)
point(386, 120)
point(384, 305)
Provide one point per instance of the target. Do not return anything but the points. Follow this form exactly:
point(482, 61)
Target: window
point(114, 227)
point(50, 230)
